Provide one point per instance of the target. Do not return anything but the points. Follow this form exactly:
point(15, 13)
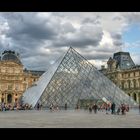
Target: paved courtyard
point(67, 119)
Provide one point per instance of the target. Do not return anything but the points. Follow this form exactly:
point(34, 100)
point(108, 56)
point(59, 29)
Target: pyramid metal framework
point(73, 78)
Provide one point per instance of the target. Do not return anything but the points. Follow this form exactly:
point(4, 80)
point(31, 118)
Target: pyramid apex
point(70, 47)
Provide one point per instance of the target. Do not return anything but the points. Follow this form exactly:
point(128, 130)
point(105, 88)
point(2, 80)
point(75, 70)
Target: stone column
point(137, 97)
point(137, 83)
point(5, 99)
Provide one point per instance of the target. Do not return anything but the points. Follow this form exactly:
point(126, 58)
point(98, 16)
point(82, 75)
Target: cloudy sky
point(41, 38)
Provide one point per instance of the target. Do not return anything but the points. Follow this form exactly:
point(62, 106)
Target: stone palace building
point(14, 79)
point(124, 73)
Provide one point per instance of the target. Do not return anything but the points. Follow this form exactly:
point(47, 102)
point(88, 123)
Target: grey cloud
point(117, 18)
point(131, 17)
point(94, 20)
point(117, 36)
point(117, 39)
point(117, 42)
point(98, 56)
point(30, 25)
point(68, 27)
point(86, 35)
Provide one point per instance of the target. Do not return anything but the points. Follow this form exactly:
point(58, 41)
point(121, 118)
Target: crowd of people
point(56, 107)
point(16, 106)
point(93, 107)
point(109, 108)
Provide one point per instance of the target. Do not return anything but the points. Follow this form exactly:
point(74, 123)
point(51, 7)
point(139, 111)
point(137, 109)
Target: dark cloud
point(86, 35)
point(94, 20)
point(68, 27)
point(118, 43)
point(30, 25)
point(117, 39)
point(117, 36)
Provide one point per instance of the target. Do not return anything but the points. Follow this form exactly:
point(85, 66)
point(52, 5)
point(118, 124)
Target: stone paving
point(68, 119)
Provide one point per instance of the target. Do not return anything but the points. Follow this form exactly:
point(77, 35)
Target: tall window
point(139, 82)
point(9, 98)
point(123, 85)
point(10, 87)
point(16, 87)
point(129, 84)
point(134, 83)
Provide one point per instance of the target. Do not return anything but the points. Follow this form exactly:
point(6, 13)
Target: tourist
point(113, 108)
point(51, 107)
point(95, 108)
point(123, 109)
point(107, 108)
point(57, 107)
point(65, 106)
point(38, 106)
point(127, 108)
point(2, 106)
point(77, 107)
point(119, 109)
point(90, 109)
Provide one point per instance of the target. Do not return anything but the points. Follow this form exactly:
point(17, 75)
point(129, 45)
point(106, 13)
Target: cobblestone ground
point(68, 119)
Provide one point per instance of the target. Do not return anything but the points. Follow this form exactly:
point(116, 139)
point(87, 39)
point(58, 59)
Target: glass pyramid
point(73, 78)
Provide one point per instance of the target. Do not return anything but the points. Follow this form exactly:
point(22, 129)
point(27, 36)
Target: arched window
point(139, 82)
point(122, 83)
point(129, 86)
point(134, 83)
point(9, 98)
point(10, 86)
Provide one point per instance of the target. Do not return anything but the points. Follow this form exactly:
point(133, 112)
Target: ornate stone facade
point(124, 73)
point(14, 79)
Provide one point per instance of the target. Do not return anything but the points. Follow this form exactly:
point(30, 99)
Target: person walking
point(51, 107)
point(90, 109)
point(123, 109)
point(118, 110)
point(38, 106)
point(65, 106)
point(113, 108)
point(95, 108)
point(107, 108)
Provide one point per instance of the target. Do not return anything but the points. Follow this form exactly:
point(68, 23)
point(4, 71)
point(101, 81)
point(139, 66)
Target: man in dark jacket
point(113, 108)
